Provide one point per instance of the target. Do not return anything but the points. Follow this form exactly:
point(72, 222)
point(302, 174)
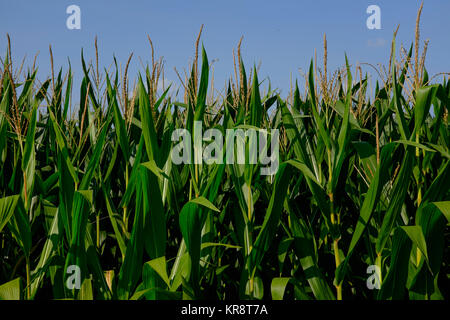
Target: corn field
point(358, 208)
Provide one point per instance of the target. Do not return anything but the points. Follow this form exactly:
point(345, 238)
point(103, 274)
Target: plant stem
point(338, 262)
point(378, 264)
point(377, 139)
point(97, 222)
point(250, 234)
point(337, 258)
point(419, 181)
point(335, 224)
point(125, 219)
point(419, 189)
point(249, 209)
point(25, 188)
point(27, 262)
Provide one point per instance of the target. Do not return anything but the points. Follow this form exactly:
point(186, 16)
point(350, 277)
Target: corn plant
point(93, 207)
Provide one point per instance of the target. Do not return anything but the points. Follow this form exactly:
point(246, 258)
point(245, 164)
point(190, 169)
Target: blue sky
point(282, 35)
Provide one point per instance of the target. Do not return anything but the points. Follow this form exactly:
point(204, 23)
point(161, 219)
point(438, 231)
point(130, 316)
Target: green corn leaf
point(98, 276)
point(131, 268)
point(304, 169)
point(370, 201)
point(205, 203)
point(147, 122)
point(68, 93)
point(305, 249)
point(318, 120)
point(29, 160)
point(372, 195)
point(77, 252)
point(367, 156)
point(111, 212)
point(444, 206)
point(439, 187)
point(131, 187)
point(278, 287)
point(119, 123)
point(203, 88)
point(415, 144)
point(302, 155)
point(190, 226)
point(4, 103)
point(19, 224)
point(151, 165)
point(422, 107)
point(154, 215)
point(394, 286)
point(424, 284)
point(160, 266)
point(211, 244)
point(272, 216)
point(255, 102)
point(404, 131)
point(416, 235)
point(85, 292)
point(66, 193)
point(50, 247)
point(11, 290)
point(26, 94)
point(397, 199)
point(7, 208)
point(63, 147)
point(95, 160)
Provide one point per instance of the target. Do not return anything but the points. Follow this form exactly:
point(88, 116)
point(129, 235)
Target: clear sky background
point(282, 35)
